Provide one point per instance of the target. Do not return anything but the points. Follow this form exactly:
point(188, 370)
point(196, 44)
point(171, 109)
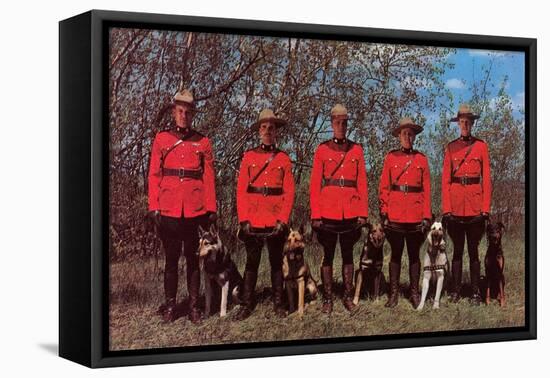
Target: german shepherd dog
point(494, 264)
point(369, 274)
point(296, 272)
point(436, 264)
point(219, 270)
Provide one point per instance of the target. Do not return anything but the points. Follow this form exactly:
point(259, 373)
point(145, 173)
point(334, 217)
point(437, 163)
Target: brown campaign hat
point(186, 97)
point(465, 111)
point(268, 115)
point(407, 123)
point(340, 111)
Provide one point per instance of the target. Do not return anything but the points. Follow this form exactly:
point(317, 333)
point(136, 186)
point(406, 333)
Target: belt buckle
point(341, 182)
point(264, 190)
point(181, 172)
point(463, 180)
point(405, 188)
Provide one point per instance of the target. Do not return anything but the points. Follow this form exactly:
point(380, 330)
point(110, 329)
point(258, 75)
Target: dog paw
point(436, 305)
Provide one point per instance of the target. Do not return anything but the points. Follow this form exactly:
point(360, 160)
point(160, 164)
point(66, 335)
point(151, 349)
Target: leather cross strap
point(172, 147)
point(263, 168)
point(331, 176)
point(463, 159)
point(403, 171)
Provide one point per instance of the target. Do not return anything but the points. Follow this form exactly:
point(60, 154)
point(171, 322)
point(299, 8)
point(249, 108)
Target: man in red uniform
point(265, 195)
point(466, 198)
point(405, 207)
point(181, 197)
point(339, 203)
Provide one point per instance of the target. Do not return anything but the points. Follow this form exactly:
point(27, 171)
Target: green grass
point(137, 291)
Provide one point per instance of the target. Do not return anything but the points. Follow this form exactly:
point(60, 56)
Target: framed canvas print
point(233, 188)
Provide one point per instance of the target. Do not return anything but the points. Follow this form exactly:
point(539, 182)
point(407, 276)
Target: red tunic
point(259, 209)
point(182, 196)
point(466, 200)
point(333, 201)
point(405, 206)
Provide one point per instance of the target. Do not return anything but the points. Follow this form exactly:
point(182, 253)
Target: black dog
point(219, 270)
point(370, 272)
point(494, 264)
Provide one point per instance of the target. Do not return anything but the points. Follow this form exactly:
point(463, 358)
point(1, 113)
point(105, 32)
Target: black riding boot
point(457, 280)
point(247, 302)
point(474, 280)
point(395, 271)
point(193, 286)
point(326, 278)
point(414, 277)
point(277, 289)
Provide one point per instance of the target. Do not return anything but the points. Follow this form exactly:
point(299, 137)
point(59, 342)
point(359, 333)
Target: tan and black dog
point(296, 272)
point(219, 270)
point(494, 264)
point(369, 274)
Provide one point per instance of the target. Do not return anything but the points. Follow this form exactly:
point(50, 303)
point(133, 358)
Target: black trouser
point(401, 235)
point(173, 233)
point(347, 240)
point(470, 230)
point(254, 246)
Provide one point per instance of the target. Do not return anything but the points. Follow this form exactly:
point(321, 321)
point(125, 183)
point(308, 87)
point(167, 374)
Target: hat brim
point(343, 116)
point(416, 128)
point(279, 122)
point(191, 105)
point(469, 115)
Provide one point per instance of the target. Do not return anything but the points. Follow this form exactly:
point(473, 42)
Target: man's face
point(268, 132)
point(183, 115)
point(339, 126)
point(465, 124)
point(406, 137)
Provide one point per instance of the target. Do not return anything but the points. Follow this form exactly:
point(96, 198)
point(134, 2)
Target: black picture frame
point(83, 181)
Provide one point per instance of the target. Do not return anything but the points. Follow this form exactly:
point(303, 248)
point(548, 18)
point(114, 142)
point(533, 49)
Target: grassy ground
point(136, 293)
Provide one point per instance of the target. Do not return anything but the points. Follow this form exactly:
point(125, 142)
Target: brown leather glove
point(212, 217)
point(316, 224)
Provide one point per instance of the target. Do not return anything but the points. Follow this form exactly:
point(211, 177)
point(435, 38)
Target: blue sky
point(469, 68)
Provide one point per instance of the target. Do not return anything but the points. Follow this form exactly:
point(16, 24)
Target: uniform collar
point(267, 147)
point(183, 130)
point(407, 151)
point(468, 138)
point(339, 140)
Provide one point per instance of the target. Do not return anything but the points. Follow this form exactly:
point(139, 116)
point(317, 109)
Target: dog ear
point(213, 230)
point(201, 231)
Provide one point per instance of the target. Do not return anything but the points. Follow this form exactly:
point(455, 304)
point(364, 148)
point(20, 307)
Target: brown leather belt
point(265, 190)
point(182, 173)
point(407, 188)
point(340, 182)
point(466, 180)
